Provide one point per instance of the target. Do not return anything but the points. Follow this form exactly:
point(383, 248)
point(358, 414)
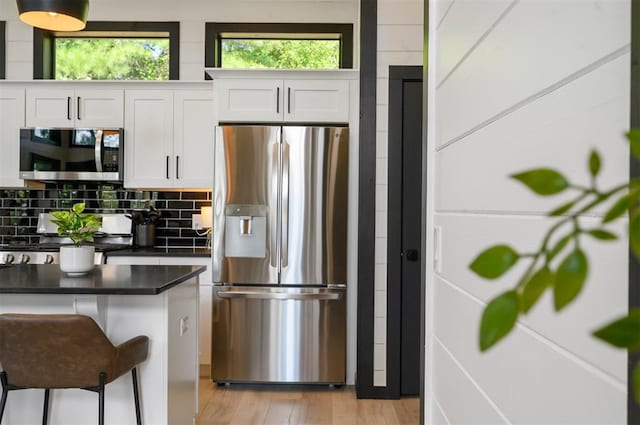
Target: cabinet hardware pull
point(78, 110)
point(167, 167)
point(177, 166)
point(278, 100)
point(288, 100)
point(69, 108)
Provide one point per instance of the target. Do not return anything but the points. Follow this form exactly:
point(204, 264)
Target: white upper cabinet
point(277, 100)
point(316, 101)
point(244, 100)
point(169, 139)
point(11, 119)
point(148, 147)
point(193, 136)
point(80, 108)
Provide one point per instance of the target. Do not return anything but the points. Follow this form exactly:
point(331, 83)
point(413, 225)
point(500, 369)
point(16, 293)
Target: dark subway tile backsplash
point(19, 209)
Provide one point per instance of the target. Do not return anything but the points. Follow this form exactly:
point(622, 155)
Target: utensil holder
point(145, 235)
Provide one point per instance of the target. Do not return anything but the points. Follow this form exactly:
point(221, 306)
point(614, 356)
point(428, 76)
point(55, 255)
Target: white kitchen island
point(158, 301)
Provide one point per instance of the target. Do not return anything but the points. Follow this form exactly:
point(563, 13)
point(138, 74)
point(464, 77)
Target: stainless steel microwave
point(72, 154)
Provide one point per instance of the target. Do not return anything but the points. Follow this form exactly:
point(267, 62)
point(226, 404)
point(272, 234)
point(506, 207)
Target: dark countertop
point(160, 252)
point(102, 280)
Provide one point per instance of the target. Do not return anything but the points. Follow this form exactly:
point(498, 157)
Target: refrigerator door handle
point(285, 205)
point(274, 190)
point(263, 295)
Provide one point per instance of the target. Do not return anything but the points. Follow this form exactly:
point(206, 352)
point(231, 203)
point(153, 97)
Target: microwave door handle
point(98, 151)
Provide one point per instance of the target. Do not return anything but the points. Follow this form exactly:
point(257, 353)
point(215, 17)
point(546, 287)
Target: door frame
point(398, 75)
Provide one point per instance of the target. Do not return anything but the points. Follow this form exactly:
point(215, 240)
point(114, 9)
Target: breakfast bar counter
point(160, 302)
point(103, 279)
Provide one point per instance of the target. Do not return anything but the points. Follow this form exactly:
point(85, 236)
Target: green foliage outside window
point(112, 59)
point(283, 54)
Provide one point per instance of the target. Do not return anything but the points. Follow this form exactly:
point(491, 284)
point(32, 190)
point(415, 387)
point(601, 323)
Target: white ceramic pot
point(77, 260)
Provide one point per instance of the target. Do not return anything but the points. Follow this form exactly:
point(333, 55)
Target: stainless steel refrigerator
point(280, 254)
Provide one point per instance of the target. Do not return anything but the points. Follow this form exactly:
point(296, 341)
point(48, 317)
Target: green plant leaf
point(634, 234)
point(562, 209)
point(543, 181)
point(498, 319)
point(495, 261)
point(634, 140)
point(594, 163)
point(603, 235)
point(623, 332)
point(535, 287)
point(78, 208)
point(570, 278)
point(618, 209)
point(559, 246)
point(636, 382)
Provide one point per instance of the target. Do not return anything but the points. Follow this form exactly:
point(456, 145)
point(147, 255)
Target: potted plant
point(76, 259)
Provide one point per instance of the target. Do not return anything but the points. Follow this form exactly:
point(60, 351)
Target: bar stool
point(51, 351)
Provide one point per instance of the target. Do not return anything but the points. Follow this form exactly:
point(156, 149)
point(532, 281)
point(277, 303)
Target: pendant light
point(54, 15)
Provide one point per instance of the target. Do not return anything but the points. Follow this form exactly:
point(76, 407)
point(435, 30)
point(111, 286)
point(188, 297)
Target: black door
point(404, 226)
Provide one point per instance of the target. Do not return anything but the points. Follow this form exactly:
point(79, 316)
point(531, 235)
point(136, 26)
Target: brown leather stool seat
point(64, 351)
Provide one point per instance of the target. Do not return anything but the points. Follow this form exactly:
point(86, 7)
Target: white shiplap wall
point(519, 84)
point(400, 35)
point(192, 15)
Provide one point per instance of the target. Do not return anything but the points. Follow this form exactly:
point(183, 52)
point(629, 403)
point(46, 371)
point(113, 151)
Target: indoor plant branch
point(563, 274)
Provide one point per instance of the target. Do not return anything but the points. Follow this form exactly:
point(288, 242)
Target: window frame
point(44, 44)
point(214, 31)
point(3, 50)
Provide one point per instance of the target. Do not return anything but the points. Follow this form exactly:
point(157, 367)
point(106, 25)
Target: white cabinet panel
point(11, 119)
point(149, 138)
point(169, 139)
point(50, 108)
point(248, 100)
point(316, 101)
point(193, 138)
point(99, 108)
point(273, 100)
point(74, 108)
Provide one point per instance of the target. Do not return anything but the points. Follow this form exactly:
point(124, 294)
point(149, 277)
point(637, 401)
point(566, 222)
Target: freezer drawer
point(274, 334)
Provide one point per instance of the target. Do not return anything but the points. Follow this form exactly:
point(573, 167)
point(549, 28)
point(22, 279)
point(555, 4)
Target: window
point(272, 45)
point(109, 51)
point(3, 49)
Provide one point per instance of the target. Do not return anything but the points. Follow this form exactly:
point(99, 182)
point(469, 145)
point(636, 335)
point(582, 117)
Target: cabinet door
point(50, 108)
point(193, 138)
point(99, 108)
point(148, 134)
point(11, 119)
point(316, 101)
point(248, 100)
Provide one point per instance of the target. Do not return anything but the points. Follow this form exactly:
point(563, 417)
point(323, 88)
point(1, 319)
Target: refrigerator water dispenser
point(245, 231)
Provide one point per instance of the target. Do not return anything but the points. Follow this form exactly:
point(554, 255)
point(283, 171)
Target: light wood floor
point(257, 405)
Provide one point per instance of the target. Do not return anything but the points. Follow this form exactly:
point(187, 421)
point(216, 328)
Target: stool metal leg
point(5, 390)
point(45, 409)
point(136, 396)
point(101, 399)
